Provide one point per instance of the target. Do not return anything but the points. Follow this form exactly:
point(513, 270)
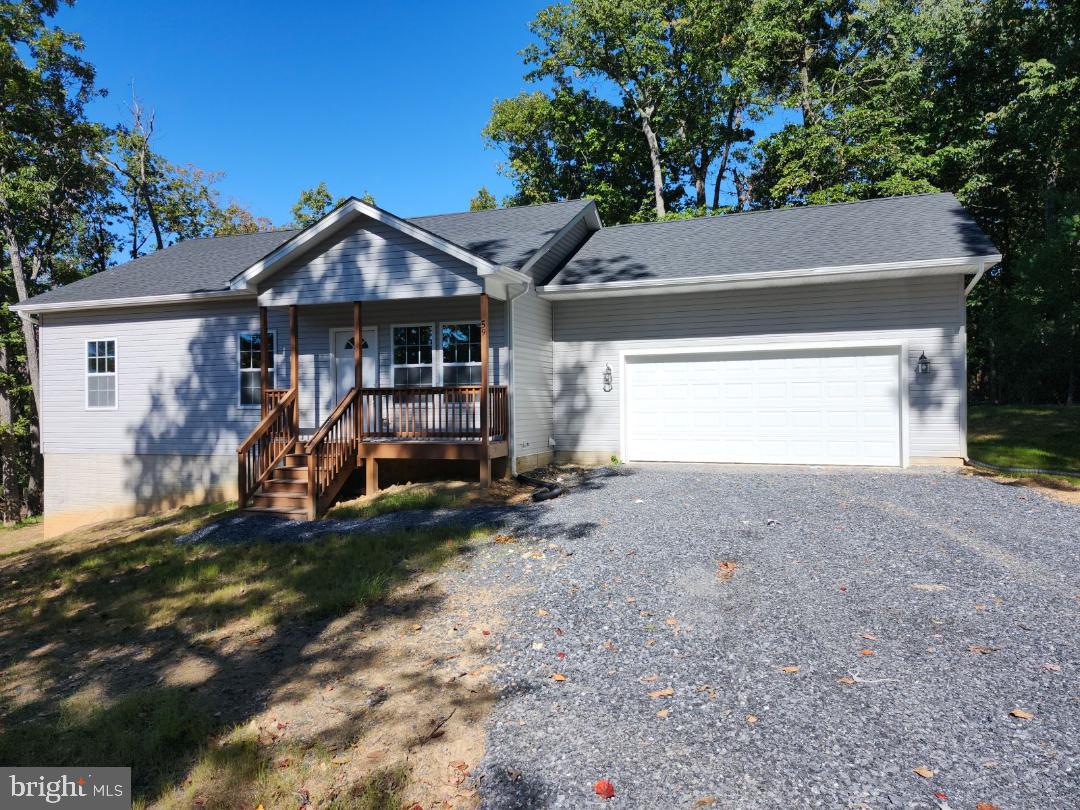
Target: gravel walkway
point(919, 609)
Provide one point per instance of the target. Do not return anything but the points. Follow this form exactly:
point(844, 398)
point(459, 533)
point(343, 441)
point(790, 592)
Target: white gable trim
point(329, 225)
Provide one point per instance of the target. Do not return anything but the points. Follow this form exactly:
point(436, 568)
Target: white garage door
point(839, 407)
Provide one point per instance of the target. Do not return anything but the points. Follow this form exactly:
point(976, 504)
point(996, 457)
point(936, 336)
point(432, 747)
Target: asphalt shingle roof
point(894, 229)
point(507, 236)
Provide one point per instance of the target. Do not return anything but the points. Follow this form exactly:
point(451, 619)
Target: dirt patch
point(1056, 488)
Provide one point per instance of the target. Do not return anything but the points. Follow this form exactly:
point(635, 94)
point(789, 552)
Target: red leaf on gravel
point(986, 806)
point(725, 569)
point(604, 789)
point(866, 652)
point(940, 795)
point(560, 655)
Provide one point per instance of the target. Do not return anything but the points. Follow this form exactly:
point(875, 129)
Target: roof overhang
point(142, 301)
point(333, 223)
point(962, 265)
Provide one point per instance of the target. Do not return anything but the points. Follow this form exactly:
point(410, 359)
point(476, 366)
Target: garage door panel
point(807, 408)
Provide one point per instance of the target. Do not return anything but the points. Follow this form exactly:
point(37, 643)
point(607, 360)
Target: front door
point(344, 371)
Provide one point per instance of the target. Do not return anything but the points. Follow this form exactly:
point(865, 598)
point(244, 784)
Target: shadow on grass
point(396, 502)
point(90, 628)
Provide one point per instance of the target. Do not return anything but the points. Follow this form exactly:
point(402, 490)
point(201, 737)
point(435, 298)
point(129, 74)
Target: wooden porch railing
point(331, 453)
point(271, 397)
point(447, 413)
point(267, 445)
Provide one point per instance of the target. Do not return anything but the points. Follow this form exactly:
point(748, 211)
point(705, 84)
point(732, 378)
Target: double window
point(415, 356)
point(250, 364)
point(101, 374)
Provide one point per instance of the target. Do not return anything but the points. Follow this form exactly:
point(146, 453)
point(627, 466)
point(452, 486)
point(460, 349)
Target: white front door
point(807, 407)
point(345, 371)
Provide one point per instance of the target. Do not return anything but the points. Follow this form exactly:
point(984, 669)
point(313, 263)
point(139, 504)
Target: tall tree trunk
point(742, 189)
point(808, 115)
point(10, 497)
point(700, 172)
point(18, 270)
point(153, 216)
point(654, 159)
point(734, 121)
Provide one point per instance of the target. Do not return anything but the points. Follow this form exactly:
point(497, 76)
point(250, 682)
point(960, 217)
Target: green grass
point(1046, 437)
point(397, 502)
point(22, 523)
point(101, 608)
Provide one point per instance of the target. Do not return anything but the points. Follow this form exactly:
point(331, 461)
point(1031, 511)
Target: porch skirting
point(84, 488)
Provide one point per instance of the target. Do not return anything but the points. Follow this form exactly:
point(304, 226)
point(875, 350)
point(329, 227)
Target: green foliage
point(315, 203)
point(483, 201)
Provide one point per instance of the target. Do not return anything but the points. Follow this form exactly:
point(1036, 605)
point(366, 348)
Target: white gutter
point(510, 347)
point(141, 301)
point(776, 278)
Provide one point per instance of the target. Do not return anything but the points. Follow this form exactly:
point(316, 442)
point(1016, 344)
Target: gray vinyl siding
point(532, 399)
point(317, 396)
point(178, 383)
point(552, 259)
point(366, 261)
point(927, 313)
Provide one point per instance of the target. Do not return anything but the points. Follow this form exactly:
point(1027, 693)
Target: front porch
point(298, 471)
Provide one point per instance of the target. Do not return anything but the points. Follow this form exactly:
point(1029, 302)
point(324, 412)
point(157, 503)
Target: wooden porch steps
point(285, 492)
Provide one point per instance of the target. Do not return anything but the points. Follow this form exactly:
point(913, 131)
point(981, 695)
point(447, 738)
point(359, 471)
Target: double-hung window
point(101, 374)
point(460, 353)
point(250, 365)
point(413, 355)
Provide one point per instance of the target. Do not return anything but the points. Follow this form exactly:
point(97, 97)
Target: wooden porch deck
point(280, 471)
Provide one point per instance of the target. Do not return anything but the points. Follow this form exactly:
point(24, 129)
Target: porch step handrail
point(264, 448)
point(441, 412)
point(331, 453)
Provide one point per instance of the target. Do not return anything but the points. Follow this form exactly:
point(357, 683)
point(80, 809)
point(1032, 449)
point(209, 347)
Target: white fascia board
point(781, 278)
point(588, 213)
point(349, 210)
point(142, 301)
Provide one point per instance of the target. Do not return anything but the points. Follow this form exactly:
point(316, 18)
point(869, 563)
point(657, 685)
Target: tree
point(570, 145)
point(483, 201)
point(313, 205)
point(235, 219)
point(50, 186)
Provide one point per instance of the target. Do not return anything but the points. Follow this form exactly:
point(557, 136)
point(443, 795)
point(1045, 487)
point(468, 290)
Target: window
point(250, 361)
point(101, 374)
point(461, 353)
point(412, 358)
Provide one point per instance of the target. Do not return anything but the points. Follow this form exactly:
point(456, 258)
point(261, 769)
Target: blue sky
point(386, 97)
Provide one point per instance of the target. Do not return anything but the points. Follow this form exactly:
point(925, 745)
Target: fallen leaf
point(604, 789)
point(541, 612)
point(847, 680)
point(1052, 667)
point(659, 693)
point(649, 642)
point(558, 676)
point(725, 569)
point(459, 765)
point(649, 678)
point(705, 801)
point(538, 645)
point(505, 538)
point(869, 636)
point(866, 652)
point(986, 806)
point(924, 772)
point(671, 621)
point(751, 719)
point(941, 795)
point(1023, 714)
point(791, 668)
point(929, 587)
point(978, 648)
point(630, 600)
point(663, 713)
point(486, 632)
point(610, 646)
point(560, 655)
point(417, 627)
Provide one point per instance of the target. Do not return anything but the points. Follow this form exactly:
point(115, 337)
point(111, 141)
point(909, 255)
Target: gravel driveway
point(874, 623)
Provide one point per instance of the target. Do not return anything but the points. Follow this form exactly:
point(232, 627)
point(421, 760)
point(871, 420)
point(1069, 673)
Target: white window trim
point(435, 353)
point(476, 322)
point(271, 372)
point(115, 374)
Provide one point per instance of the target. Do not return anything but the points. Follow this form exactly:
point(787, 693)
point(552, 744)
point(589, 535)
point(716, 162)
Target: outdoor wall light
point(608, 385)
point(923, 365)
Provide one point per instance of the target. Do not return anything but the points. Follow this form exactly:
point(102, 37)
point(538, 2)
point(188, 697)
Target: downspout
point(513, 391)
